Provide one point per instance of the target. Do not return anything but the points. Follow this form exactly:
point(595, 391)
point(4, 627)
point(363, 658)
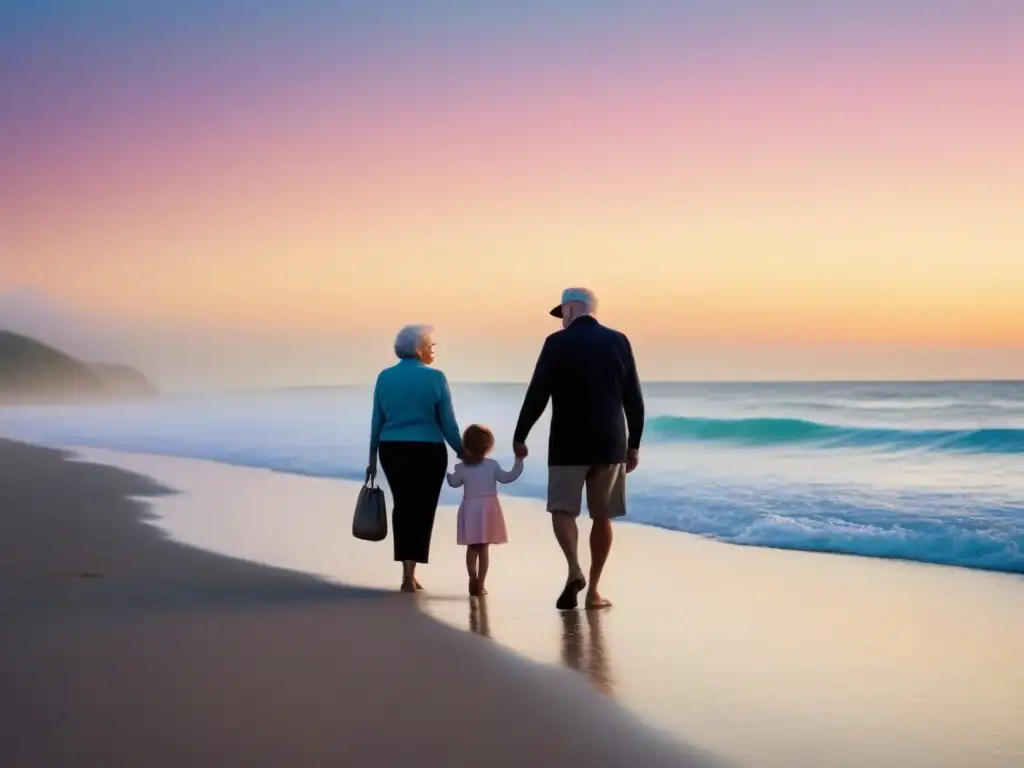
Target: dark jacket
point(588, 372)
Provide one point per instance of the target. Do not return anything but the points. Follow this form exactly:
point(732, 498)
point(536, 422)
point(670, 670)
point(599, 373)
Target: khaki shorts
point(605, 484)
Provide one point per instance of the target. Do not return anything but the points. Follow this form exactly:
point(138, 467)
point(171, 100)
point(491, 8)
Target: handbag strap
point(369, 481)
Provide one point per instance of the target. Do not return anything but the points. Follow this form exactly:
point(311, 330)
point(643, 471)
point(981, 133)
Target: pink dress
point(481, 520)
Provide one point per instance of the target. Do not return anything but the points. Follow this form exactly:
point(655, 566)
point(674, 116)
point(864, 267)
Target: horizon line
point(725, 382)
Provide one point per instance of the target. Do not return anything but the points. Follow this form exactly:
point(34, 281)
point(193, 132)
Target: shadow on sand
point(581, 649)
point(139, 650)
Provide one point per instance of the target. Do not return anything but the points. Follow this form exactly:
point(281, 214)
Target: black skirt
point(415, 473)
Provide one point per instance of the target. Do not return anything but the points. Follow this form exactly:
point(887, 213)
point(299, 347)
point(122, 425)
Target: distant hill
point(32, 372)
point(123, 380)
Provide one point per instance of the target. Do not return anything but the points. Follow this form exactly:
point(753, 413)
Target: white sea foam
point(750, 464)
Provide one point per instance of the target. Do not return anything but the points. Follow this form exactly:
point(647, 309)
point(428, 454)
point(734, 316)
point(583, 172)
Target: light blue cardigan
point(412, 402)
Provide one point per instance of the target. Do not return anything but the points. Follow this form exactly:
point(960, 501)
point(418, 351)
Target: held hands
point(520, 450)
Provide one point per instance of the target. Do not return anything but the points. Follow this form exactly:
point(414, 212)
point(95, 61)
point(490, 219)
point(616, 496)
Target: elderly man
point(589, 374)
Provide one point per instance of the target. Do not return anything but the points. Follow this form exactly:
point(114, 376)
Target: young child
point(481, 521)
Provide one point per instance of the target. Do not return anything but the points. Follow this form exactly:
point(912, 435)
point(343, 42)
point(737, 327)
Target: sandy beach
point(120, 647)
point(261, 633)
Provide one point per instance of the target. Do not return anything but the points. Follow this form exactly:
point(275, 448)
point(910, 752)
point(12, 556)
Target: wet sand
point(120, 647)
point(758, 657)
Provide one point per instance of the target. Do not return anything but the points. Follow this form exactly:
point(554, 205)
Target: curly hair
point(477, 442)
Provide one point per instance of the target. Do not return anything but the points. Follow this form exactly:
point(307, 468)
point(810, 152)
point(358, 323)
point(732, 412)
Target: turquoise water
point(921, 471)
point(768, 431)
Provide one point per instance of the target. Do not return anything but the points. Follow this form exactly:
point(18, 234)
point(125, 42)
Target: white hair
point(410, 339)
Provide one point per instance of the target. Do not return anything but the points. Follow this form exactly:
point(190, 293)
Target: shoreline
point(760, 656)
point(123, 646)
point(355, 480)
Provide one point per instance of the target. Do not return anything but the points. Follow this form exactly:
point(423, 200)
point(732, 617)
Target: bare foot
point(416, 584)
point(474, 587)
point(567, 600)
point(595, 602)
point(408, 586)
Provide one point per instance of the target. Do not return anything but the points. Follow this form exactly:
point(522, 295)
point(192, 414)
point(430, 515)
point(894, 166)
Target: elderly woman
point(413, 418)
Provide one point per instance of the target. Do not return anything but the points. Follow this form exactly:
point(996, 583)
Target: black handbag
point(370, 521)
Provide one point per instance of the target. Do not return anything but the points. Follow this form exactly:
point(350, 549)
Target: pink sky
point(742, 192)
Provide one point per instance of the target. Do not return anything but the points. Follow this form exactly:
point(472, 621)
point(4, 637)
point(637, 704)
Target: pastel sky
point(264, 192)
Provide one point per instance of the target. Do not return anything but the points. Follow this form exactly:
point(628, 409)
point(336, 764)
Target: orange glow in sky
point(766, 192)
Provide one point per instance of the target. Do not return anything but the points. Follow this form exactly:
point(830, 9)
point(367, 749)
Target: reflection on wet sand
point(586, 656)
point(582, 648)
point(478, 617)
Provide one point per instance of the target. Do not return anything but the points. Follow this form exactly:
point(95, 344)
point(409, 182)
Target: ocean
point(930, 472)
